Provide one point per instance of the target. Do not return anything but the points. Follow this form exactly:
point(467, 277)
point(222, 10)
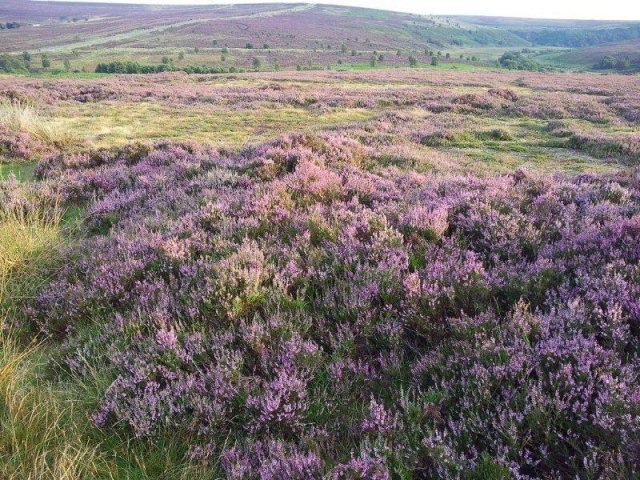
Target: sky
point(569, 9)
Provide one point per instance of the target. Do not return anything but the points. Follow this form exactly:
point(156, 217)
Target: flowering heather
point(297, 314)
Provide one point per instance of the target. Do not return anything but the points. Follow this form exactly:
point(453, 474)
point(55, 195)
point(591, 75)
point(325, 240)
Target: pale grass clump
point(40, 428)
point(40, 438)
point(28, 242)
point(25, 117)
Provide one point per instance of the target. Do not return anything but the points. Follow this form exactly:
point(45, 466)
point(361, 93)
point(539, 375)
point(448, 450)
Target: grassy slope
point(86, 35)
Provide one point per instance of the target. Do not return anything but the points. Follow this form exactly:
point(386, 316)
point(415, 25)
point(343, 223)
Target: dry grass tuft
point(25, 117)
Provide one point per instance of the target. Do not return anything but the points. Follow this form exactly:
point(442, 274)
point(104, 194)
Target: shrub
point(11, 64)
point(517, 61)
point(307, 310)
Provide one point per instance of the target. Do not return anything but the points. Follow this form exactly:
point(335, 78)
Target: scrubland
point(408, 273)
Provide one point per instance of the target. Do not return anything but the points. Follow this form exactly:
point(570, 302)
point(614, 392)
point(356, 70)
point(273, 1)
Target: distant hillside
point(78, 36)
point(561, 33)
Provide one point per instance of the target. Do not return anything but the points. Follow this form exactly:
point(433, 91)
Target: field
point(376, 273)
point(78, 37)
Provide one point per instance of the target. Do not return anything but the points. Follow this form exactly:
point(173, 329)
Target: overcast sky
point(585, 9)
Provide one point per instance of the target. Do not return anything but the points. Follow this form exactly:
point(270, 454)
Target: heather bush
point(295, 316)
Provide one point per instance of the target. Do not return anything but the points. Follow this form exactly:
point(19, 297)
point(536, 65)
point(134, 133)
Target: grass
point(118, 124)
point(23, 171)
point(28, 242)
point(24, 117)
point(41, 427)
point(46, 432)
point(30, 413)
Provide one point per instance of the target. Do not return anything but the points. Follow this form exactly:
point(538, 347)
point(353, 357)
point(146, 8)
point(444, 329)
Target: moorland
point(343, 260)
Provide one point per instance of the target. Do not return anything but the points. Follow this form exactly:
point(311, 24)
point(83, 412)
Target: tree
point(67, 64)
point(166, 60)
point(181, 56)
point(343, 48)
point(372, 61)
point(413, 61)
point(623, 63)
point(256, 63)
point(11, 64)
point(225, 50)
point(516, 61)
point(249, 46)
point(435, 62)
point(45, 61)
point(26, 56)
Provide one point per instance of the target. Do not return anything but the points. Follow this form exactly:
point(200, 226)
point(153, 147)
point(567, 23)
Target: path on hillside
point(140, 32)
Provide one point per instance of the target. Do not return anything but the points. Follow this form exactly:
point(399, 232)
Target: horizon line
point(207, 3)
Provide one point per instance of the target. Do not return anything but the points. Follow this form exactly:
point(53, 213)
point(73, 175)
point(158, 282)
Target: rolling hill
point(284, 36)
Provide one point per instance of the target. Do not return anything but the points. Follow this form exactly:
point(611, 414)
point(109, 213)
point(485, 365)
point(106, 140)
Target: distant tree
point(11, 64)
point(398, 53)
point(181, 56)
point(214, 42)
point(225, 50)
point(381, 58)
point(249, 46)
point(343, 48)
point(256, 63)
point(448, 55)
point(166, 60)
point(461, 56)
point(353, 53)
point(435, 62)
point(610, 62)
point(517, 61)
point(26, 56)
point(265, 46)
point(67, 64)
point(196, 50)
point(373, 60)
point(413, 61)
point(623, 63)
point(223, 58)
point(44, 60)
